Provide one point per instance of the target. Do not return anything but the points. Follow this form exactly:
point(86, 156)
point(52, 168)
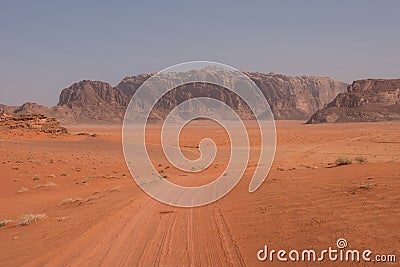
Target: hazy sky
point(46, 46)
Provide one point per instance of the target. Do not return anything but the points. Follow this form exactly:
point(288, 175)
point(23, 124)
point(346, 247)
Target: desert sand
point(95, 214)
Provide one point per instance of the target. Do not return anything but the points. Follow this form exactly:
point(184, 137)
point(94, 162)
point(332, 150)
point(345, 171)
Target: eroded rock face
point(296, 97)
point(94, 101)
point(34, 122)
point(365, 100)
point(289, 97)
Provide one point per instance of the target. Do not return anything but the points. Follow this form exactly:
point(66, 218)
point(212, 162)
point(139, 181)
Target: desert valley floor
point(97, 215)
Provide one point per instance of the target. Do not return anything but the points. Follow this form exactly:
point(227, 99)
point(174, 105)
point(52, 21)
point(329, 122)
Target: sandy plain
point(96, 215)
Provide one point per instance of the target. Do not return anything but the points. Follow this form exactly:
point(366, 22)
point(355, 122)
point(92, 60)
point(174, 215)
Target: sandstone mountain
point(365, 100)
point(84, 101)
point(96, 101)
point(289, 97)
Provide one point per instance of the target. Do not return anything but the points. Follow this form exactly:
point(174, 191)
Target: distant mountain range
point(312, 98)
point(294, 98)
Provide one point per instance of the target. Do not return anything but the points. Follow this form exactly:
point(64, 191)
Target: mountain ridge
point(290, 97)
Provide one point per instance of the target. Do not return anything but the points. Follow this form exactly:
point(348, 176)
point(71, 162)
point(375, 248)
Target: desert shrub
point(31, 218)
point(343, 161)
point(90, 198)
point(5, 222)
point(70, 200)
point(360, 159)
point(366, 186)
point(36, 178)
point(22, 190)
point(48, 184)
point(115, 188)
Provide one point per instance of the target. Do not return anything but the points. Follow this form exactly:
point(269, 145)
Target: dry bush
point(70, 200)
point(48, 184)
point(36, 178)
point(5, 222)
point(360, 159)
point(31, 218)
point(343, 161)
point(90, 198)
point(115, 188)
point(22, 190)
point(366, 186)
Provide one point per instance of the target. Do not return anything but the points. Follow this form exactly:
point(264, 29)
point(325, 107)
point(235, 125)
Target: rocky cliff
point(289, 97)
point(296, 97)
point(94, 101)
point(365, 100)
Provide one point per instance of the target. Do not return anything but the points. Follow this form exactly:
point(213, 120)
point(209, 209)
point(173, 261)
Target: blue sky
point(45, 46)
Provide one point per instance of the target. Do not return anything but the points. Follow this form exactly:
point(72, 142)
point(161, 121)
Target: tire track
point(168, 230)
point(190, 247)
point(145, 233)
point(231, 250)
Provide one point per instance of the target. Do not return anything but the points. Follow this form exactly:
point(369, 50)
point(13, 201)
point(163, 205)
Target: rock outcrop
point(365, 100)
point(62, 113)
point(7, 109)
point(32, 122)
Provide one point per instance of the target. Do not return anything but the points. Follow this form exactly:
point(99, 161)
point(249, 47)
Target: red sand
point(303, 204)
